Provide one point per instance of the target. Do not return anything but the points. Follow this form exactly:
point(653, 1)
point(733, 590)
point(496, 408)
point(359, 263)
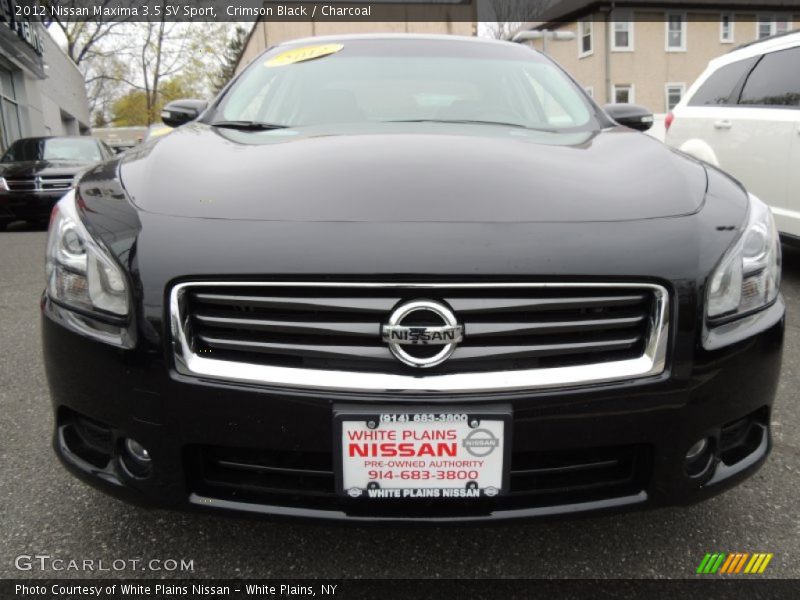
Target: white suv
point(743, 115)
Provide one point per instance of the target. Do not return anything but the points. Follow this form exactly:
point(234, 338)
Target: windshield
point(407, 80)
point(66, 149)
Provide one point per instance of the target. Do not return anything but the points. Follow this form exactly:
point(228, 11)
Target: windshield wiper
point(474, 122)
point(249, 125)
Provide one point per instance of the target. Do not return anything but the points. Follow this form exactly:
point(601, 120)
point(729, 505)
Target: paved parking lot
point(43, 510)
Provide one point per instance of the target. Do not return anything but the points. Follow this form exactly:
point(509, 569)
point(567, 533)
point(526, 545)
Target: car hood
point(33, 168)
point(422, 173)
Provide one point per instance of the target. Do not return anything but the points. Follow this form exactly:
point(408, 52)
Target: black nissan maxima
point(410, 278)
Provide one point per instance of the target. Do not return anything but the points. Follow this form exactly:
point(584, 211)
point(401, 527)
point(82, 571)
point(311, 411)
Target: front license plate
point(423, 454)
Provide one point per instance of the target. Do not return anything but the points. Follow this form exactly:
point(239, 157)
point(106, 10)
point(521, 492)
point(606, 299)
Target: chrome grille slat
point(533, 325)
point(382, 352)
point(484, 305)
point(483, 329)
point(531, 350)
point(316, 351)
point(296, 327)
point(328, 334)
point(372, 305)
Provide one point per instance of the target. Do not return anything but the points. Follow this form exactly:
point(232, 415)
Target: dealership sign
point(15, 16)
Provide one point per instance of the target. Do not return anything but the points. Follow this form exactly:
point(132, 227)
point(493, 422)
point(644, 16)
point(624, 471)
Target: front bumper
point(28, 206)
point(640, 429)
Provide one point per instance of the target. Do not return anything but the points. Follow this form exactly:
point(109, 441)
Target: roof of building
point(569, 10)
point(773, 41)
point(771, 44)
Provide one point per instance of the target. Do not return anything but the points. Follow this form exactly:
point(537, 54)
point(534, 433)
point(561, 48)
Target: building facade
point(452, 19)
point(638, 53)
point(42, 92)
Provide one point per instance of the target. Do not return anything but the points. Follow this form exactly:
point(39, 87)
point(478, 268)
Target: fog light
point(695, 450)
point(135, 459)
point(137, 451)
point(699, 457)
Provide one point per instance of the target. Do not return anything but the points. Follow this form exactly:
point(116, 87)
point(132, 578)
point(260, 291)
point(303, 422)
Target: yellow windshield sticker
point(300, 54)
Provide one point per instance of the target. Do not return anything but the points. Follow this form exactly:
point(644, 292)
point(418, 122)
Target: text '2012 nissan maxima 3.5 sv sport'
point(410, 278)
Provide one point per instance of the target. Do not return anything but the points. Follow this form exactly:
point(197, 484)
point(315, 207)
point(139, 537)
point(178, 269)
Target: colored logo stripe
point(758, 563)
point(727, 564)
point(711, 563)
point(733, 563)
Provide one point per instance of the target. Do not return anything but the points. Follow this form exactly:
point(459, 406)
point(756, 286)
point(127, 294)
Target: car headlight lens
point(749, 275)
point(80, 273)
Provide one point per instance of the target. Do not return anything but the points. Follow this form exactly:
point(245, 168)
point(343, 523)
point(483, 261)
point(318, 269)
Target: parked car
point(743, 115)
point(120, 139)
point(36, 172)
point(410, 278)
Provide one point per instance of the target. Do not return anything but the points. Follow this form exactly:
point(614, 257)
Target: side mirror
point(178, 112)
point(630, 115)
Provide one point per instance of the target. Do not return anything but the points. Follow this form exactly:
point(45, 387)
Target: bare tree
point(505, 17)
point(152, 53)
point(118, 57)
point(90, 43)
point(194, 52)
point(230, 57)
point(83, 37)
point(103, 75)
point(154, 62)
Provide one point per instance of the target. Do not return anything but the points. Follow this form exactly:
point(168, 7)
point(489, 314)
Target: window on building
point(676, 32)
point(717, 89)
point(726, 25)
point(775, 81)
point(764, 27)
point(585, 41)
point(622, 31)
point(674, 93)
point(772, 25)
point(623, 93)
point(9, 109)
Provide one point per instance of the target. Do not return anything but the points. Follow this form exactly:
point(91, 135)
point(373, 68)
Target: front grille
point(306, 480)
point(338, 328)
point(44, 183)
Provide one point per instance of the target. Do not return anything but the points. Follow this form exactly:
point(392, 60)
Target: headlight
point(749, 275)
point(80, 273)
point(4, 185)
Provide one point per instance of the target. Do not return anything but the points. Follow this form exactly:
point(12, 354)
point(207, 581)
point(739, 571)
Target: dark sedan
point(410, 278)
point(36, 172)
